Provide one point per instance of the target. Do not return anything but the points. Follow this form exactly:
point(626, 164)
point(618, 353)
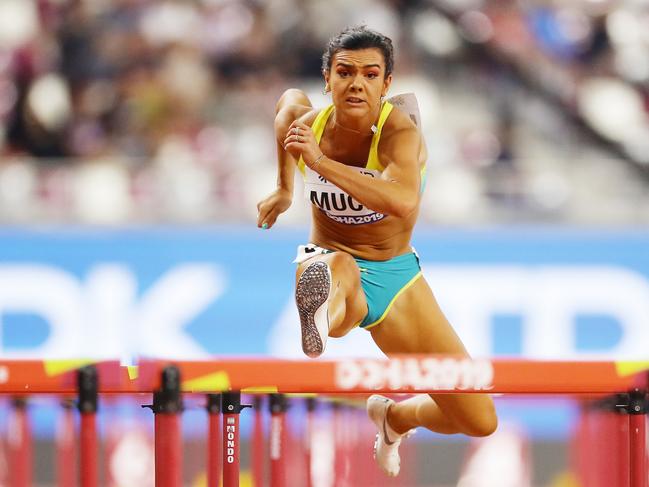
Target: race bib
point(337, 204)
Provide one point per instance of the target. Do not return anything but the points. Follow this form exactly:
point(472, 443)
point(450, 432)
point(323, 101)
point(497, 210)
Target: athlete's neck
point(359, 127)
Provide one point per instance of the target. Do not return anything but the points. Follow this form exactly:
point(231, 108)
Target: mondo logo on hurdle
point(230, 430)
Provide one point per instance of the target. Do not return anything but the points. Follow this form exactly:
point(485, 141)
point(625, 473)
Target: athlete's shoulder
point(397, 126)
point(399, 120)
point(400, 130)
point(406, 114)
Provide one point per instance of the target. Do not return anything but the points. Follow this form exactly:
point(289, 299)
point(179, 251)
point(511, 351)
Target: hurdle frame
point(637, 412)
point(168, 380)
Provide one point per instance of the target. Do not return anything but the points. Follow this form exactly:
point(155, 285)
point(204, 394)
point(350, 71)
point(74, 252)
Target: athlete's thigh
point(416, 324)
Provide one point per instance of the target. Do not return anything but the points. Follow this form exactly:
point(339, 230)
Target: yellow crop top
point(373, 158)
point(333, 201)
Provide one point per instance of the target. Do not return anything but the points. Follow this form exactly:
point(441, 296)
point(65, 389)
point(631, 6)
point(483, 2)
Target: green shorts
point(383, 282)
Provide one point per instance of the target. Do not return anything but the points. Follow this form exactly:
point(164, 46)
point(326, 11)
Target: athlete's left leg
point(416, 324)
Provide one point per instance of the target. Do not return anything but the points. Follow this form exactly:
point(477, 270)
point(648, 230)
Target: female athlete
point(364, 166)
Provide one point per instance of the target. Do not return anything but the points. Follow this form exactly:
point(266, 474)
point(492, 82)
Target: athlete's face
point(357, 80)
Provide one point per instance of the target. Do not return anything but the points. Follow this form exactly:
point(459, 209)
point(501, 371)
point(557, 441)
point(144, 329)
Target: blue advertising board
point(190, 293)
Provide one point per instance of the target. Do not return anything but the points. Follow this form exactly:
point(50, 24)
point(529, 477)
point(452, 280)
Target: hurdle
point(602, 454)
point(222, 381)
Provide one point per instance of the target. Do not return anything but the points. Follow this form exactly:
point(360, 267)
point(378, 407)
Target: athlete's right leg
point(329, 298)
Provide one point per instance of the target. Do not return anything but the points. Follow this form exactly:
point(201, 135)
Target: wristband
point(317, 160)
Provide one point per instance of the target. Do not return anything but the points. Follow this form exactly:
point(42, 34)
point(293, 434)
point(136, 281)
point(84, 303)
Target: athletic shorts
point(382, 281)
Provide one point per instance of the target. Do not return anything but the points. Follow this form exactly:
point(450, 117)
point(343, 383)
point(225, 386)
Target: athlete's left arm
point(395, 193)
point(400, 155)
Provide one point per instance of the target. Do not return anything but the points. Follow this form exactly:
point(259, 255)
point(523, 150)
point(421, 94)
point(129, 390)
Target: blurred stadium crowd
point(149, 111)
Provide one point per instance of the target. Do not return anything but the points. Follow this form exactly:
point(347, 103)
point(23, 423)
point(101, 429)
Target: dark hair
point(359, 37)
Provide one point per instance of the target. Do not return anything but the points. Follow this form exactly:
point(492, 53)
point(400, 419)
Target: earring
point(324, 90)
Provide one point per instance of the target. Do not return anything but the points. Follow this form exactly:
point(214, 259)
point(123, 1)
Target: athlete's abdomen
point(380, 240)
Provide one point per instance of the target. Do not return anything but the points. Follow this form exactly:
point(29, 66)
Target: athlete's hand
point(300, 141)
point(271, 207)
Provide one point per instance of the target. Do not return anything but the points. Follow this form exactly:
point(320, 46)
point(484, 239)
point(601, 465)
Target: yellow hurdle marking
point(217, 381)
point(58, 367)
point(631, 367)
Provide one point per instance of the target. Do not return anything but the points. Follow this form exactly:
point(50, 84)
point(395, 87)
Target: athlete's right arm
point(292, 105)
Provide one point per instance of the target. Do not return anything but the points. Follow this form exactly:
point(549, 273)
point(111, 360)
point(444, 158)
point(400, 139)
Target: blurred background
point(138, 111)
point(136, 139)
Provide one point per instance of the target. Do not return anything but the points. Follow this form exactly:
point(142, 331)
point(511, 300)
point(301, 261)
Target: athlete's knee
point(482, 424)
point(338, 332)
point(344, 265)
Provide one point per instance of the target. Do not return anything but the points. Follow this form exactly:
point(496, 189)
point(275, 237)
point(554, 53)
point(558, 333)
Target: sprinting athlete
point(363, 163)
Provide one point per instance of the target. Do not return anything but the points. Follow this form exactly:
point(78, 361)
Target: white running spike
point(386, 445)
